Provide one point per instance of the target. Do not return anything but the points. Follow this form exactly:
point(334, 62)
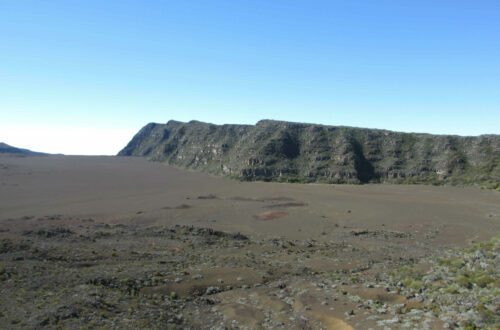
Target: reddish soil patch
point(289, 204)
point(270, 215)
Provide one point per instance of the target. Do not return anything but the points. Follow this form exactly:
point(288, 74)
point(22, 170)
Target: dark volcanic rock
point(296, 152)
point(6, 149)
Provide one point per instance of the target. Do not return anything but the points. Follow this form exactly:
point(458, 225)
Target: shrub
point(483, 280)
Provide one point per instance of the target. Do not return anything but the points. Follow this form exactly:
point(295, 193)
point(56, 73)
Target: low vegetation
point(86, 274)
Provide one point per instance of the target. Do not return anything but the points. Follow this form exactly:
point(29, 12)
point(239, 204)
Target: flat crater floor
point(122, 242)
point(137, 191)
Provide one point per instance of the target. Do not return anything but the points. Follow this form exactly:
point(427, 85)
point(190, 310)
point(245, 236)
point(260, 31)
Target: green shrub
point(453, 289)
point(416, 285)
point(463, 281)
point(483, 280)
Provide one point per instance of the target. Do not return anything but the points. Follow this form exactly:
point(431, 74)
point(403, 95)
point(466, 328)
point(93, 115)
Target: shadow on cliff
point(364, 169)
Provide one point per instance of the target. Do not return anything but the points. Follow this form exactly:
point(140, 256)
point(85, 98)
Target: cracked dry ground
point(80, 273)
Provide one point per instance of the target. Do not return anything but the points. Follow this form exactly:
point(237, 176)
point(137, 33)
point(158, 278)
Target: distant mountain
point(6, 149)
point(296, 152)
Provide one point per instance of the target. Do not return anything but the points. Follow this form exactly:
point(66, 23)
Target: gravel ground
point(79, 273)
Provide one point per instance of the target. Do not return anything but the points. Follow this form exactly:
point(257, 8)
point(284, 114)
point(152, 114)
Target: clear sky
point(81, 77)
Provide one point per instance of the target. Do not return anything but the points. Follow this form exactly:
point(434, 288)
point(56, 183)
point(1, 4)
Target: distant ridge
point(7, 149)
point(296, 152)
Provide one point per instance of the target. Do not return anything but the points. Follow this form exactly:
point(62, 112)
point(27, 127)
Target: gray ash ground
point(123, 243)
point(79, 273)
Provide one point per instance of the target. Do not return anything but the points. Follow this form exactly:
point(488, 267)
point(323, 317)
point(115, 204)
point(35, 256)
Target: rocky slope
point(296, 152)
point(7, 149)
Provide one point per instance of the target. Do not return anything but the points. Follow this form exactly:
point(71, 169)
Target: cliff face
point(295, 152)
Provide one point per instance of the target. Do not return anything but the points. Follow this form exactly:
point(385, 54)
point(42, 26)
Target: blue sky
point(81, 77)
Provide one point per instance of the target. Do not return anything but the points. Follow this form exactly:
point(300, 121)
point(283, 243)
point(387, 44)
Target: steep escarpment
point(296, 152)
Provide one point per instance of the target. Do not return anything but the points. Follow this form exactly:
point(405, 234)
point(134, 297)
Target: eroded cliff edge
point(297, 152)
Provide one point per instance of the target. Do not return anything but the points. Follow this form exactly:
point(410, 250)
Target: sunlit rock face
point(297, 152)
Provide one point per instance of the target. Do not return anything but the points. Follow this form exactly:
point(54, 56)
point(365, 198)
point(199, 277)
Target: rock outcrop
point(297, 152)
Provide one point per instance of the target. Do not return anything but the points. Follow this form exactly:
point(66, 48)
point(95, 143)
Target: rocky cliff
point(296, 152)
